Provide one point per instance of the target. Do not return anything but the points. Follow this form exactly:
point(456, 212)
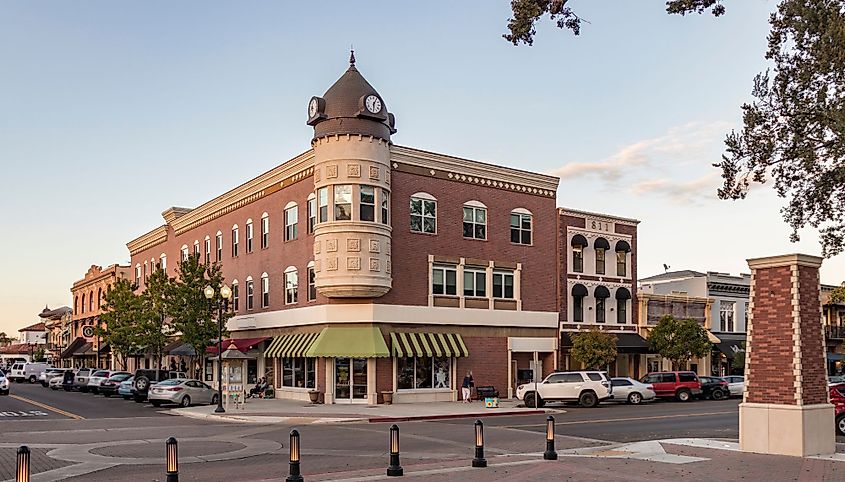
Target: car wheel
point(684, 396)
point(186, 401)
point(840, 423)
point(718, 394)
point(156, 403)
point(531, 400)
point(107, 394)
point(32, 379)
point(139, 399)
point(127, 397)
point(142, 383)
point(588, 399)
point(214, 399)
point(635, 398)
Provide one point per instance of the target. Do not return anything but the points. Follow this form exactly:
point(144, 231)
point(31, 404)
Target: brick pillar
point(785, 408)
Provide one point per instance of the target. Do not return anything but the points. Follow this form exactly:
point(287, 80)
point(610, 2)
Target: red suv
point(837, 398)
point(682, 386)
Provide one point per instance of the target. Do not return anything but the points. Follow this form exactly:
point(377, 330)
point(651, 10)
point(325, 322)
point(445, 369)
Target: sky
point(110, 112)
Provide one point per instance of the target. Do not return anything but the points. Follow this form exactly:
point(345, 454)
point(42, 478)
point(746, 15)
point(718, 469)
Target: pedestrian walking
point(466, 387)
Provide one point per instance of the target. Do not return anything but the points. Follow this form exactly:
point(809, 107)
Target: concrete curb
point(457, 415)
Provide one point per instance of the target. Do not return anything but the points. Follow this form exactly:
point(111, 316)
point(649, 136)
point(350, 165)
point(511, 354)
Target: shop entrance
point(350, 380)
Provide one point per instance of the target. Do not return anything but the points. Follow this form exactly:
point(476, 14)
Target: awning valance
point(293, 345)
point(349, 341)
point(601, 243)
point(623, 246)
point(601, 292)
point(242, 344)
point(428, 344)
point(579, 290)
point(579, 240)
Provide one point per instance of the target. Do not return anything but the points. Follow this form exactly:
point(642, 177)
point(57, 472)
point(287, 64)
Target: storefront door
point(350, 379)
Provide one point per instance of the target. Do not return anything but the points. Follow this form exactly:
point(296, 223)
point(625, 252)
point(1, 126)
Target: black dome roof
point(344, 112)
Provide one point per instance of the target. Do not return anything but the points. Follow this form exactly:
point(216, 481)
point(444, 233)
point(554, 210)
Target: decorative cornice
point(728, 288)
point(785, 260)
point(592, 235)
point(476, 172)
point(148, 240)
point(599, 216)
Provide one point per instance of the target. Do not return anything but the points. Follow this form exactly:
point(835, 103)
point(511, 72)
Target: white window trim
point(291, 207)
point(475, 205)
point(295, 289)
point(424, 196)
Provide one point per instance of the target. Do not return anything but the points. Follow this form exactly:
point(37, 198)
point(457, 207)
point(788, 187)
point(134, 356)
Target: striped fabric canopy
point(294, 345)
point(428, 344)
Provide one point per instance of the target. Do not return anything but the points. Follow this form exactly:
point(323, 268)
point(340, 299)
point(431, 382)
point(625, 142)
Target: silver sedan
point(181, 391)
point(631, 391)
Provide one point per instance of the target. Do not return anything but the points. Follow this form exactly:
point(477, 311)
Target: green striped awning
point(294, 345)
point(428, 344)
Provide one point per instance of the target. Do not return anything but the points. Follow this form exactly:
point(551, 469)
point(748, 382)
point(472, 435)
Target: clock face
point(88, 331)
point(312, 108)
point(373, 104)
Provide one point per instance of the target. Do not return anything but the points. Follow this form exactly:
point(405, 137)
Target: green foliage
point(679, 340)
point(837, 295)
point(153, 328)
point(39, 354)
point(118, 322)
point(526, 13)
point(738, 362)
point(595, 349)
point(794, 132)
point(4, 338)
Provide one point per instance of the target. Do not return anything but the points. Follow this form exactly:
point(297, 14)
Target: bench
point(488, 391)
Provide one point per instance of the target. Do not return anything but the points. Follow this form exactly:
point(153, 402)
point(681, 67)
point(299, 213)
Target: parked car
point(55, 383)
point(835, 380)
point(837, 398)
point(99, 377)
point(4, 384)
point(587, 388)
point(27, 371)
point(48, 374)
point(736, 384)
point(81, 378)
point(631, 391)
point(68, 380)
point(714, 387)
point(109, 386)
point(182, 392)
point(145, 378)
point(125, 389)
point(682, 386)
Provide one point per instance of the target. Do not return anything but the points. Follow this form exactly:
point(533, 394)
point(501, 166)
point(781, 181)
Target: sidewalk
point(293, 411)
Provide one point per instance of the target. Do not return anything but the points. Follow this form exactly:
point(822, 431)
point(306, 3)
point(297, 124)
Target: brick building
point(57, 322)
point(83, 347)
point(360, 267)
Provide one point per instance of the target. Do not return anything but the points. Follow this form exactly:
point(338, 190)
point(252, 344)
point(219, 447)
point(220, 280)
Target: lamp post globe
point(208, 292)
point(225, 292)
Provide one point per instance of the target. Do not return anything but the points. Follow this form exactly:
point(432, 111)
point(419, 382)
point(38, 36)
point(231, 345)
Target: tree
point(4, 339)
point(837, 295)
point(526, 13)
point(595, 349)
point(679, 340)
point(122, 308)
point(191, 313)
point(738, 362)
point(153, 328)
point(39, 355)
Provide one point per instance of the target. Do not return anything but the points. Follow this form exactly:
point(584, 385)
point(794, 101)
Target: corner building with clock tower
point(362, 270)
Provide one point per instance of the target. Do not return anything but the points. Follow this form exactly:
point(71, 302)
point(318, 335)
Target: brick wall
point(488, 360)
point(814, 377)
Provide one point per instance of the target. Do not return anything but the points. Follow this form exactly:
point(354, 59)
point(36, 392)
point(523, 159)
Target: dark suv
point(145, 378)
point(682, 386)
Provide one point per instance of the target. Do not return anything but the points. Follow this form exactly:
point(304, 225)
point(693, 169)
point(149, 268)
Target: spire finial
point(352, 57)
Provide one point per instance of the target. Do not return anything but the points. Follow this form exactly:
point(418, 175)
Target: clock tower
point(351, 143)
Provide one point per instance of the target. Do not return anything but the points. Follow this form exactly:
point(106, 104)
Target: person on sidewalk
point(466, 387)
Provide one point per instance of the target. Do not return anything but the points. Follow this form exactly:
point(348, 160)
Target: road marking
point(631, 419)
point(48, 407)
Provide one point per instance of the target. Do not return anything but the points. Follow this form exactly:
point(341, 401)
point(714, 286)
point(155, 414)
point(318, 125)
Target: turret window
point(368, 203)
point(385, 206)
point(323, 198)
point(343, 202)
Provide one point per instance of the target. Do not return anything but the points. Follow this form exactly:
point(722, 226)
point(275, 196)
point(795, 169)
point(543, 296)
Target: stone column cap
point(785, 260)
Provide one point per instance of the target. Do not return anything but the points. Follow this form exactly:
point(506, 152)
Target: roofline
point(103, 274)
point(563, 210)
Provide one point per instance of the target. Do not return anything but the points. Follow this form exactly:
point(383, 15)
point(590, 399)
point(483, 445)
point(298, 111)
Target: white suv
point(587, 388)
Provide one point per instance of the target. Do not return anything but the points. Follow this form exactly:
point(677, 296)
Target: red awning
point(16, 349)
point(243, 344)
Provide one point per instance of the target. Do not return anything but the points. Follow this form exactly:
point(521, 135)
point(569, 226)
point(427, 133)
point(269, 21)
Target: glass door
point(341, 379)
point(350, 376)
point(359, 379)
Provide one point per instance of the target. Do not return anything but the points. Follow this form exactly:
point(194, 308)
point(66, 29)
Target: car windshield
point(169, 382)
point(100, 373)
point(130, 379)
point(119, 377)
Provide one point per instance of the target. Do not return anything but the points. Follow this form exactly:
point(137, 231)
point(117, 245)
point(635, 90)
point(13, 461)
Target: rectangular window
point(207, 251)
point(163, 263)
point(503, 284)
point(197, 249)
point(145, 272)
point(291, 287)
point(621, 311)
point(385, 206)
point(578, 259)
point(599, 260)
point(235, 297)
point(726, 315)
point(621, 263)
point(343, 202)
point(578, 309)
point(600, 310)
point(298, 372)
point(312, 285)
point(219, 246)
point(265, 292)
point(265, 232)
point(209, 370)
point(367, 206)
point(138, 276)
point(475, 222)
point(249, 236)
point(475, 283)
point(413, 373)
point(250, 293)
point(312, 214)
point(520, 228)
point(291, 223)
point(323, 199)
point(184, 254)
point(423, 215)
point(235, 242)
point(444, 280)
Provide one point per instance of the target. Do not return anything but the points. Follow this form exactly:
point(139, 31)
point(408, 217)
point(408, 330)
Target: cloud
point(686, 192)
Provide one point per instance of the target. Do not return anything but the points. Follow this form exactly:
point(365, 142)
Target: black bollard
point(22, 469)
point(394, 469)
point(550, 453)
point(172, 453)
point(295, 475)
point(479, 460)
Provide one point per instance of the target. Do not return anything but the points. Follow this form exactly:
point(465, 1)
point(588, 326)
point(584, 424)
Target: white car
point(588, 388)
point(182, 392)
point(4, 384)
point(631, 391)
point(48, 375)
point(98, 377)
point(55, 383)
point(27, 371)
point(736, 385)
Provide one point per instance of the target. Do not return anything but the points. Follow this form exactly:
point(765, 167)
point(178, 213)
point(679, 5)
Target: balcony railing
point(835, 332)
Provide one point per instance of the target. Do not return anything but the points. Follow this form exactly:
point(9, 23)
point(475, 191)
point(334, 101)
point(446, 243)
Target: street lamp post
point(225, 294)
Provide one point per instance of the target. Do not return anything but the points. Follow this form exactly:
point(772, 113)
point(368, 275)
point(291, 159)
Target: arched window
point(83, 303)
point(578, 243)
point(76, 304)
point(291, 221)
point(622, 250)
point(137, 275)
point(235, 296)
point(601, 246)
point(145, 272)
point(207, 242)
point(601, 293)
point(236, 240)
point(218, 242)
point(91, 300)
point(622, 297)
point(579, 292)
point(250, 292)
point(475, 220)
point(197, 248)
point(423, 213)
point(312, 284)
point(291, 285)
point(99, 298)
point(521, 224)
point(312, 212)
point(265, 290)
point(184, 253)
point(265, 231)
point(163, 261)
point(249, 235)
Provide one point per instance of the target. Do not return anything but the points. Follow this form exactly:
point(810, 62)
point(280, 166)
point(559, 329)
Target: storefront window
point(298, 372)
point(422, 372)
